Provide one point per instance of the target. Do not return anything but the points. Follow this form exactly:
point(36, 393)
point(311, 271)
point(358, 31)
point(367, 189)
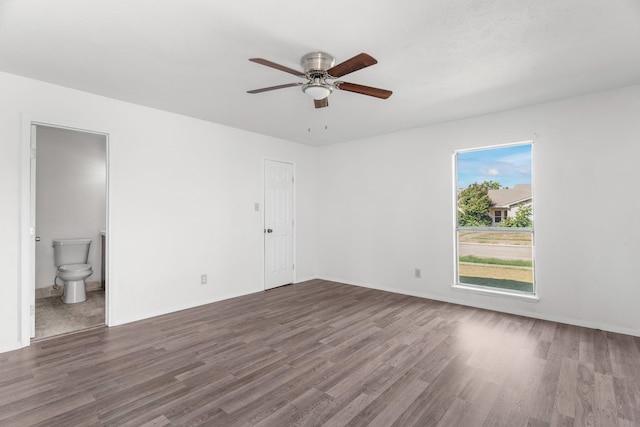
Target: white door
point(278, 223)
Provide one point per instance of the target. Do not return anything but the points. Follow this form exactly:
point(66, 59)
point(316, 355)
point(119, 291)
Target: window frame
point(488, 290)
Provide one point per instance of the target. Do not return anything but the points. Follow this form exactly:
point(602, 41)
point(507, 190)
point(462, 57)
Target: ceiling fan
point(322, 76)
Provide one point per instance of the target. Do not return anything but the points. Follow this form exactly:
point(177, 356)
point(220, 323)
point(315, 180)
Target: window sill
point(495, 292)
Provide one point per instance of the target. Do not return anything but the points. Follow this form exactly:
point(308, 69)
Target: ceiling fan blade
point(321, 103)
point(266, 89)
point(356, 63)
point(364, 90)
point(268, 63)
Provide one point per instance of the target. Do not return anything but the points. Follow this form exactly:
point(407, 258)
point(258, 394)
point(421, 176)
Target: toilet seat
point(74, 268)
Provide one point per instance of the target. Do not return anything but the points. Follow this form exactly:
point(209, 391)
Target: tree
point(522, 219)
point(474, 203)
point(492, 185)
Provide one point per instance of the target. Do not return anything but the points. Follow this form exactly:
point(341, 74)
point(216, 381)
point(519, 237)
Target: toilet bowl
point(70, 256)
point(73, 276)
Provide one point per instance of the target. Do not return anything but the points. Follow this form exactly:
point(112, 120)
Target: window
point(494, 219)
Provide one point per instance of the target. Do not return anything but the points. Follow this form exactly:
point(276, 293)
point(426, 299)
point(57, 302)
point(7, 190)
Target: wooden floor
point(323, 353)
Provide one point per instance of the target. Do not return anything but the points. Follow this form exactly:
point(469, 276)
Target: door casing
point(27, 221)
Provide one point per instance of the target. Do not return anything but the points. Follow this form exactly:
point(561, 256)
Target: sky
point(507, 165)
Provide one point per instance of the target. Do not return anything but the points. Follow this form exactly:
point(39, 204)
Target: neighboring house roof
point(507, 197)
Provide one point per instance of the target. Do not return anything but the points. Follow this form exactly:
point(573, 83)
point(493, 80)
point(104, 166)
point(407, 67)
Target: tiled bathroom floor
point(53, 317)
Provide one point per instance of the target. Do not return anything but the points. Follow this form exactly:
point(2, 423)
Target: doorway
point(68, 201)
point(278, 224)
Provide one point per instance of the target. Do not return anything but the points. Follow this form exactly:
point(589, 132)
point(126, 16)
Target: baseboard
point(10, 347)
point(534, 315)
point(304, 279)
point(149, 315)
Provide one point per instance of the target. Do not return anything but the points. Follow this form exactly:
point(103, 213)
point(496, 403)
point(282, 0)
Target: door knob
point(269, 230)
point(37, 238)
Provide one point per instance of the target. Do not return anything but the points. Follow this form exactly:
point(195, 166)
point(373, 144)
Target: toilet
point(70, 256)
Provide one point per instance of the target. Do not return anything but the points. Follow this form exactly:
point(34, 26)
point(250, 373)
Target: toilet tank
point(70, 251)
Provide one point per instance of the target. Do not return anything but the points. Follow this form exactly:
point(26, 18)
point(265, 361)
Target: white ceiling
point(443, 59)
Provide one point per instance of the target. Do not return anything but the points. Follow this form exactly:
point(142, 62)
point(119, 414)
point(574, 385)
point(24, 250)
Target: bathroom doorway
point(69, 200)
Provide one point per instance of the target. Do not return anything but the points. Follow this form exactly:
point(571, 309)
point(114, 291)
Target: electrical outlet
point(203, 279)
point(418, 273)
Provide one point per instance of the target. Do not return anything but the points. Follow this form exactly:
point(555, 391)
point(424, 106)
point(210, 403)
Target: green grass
point(497, 283)
point(496, 261)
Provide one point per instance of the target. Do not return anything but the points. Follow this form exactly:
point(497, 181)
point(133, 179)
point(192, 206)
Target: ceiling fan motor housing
point(317, 62)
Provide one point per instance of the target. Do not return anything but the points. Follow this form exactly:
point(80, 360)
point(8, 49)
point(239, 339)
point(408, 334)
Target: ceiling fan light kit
point(321, 75)
point(317, 90)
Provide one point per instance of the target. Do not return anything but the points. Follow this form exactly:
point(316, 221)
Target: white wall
point(368, 212)
point(70, 191)
point(181, 204)
point(386, 207)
